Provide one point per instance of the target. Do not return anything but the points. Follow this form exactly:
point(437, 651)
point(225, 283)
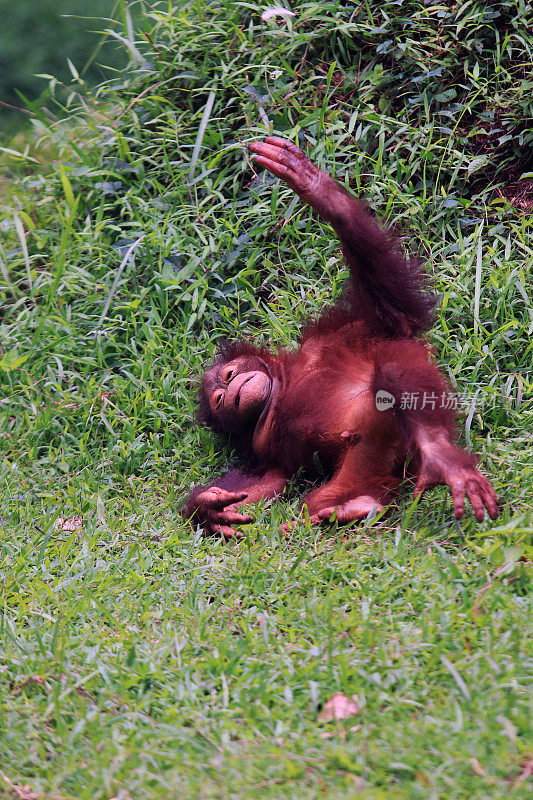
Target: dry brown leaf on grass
point(277, 11)
point(20, 792)
point(340, 707)
point(14, 687)
point(527, 771)
point(476, 766)
point(68, 524)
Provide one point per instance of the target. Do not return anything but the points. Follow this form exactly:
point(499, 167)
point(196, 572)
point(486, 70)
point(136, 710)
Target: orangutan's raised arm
point(388, 288)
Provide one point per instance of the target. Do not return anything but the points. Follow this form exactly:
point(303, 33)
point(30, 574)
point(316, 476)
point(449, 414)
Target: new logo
point(384, 400)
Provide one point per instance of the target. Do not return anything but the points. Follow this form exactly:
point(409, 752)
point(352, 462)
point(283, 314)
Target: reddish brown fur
point(323, 396)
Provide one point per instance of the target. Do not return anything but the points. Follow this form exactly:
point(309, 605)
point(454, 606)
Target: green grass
point(139, 659)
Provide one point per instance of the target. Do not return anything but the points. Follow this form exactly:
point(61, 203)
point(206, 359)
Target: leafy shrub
point(425, 108)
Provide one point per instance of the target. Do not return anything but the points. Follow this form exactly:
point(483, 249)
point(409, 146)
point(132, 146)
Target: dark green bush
point(424, 108)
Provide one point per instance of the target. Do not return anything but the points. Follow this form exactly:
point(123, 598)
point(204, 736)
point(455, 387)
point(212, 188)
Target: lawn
point(138, 658)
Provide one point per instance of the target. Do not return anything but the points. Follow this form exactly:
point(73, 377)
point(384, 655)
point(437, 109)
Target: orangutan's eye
point(229, 374)
point(217, 399)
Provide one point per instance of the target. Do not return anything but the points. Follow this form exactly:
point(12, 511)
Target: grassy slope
point(137, 656)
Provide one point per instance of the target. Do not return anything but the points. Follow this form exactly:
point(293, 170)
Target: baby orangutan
point(344, 395)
